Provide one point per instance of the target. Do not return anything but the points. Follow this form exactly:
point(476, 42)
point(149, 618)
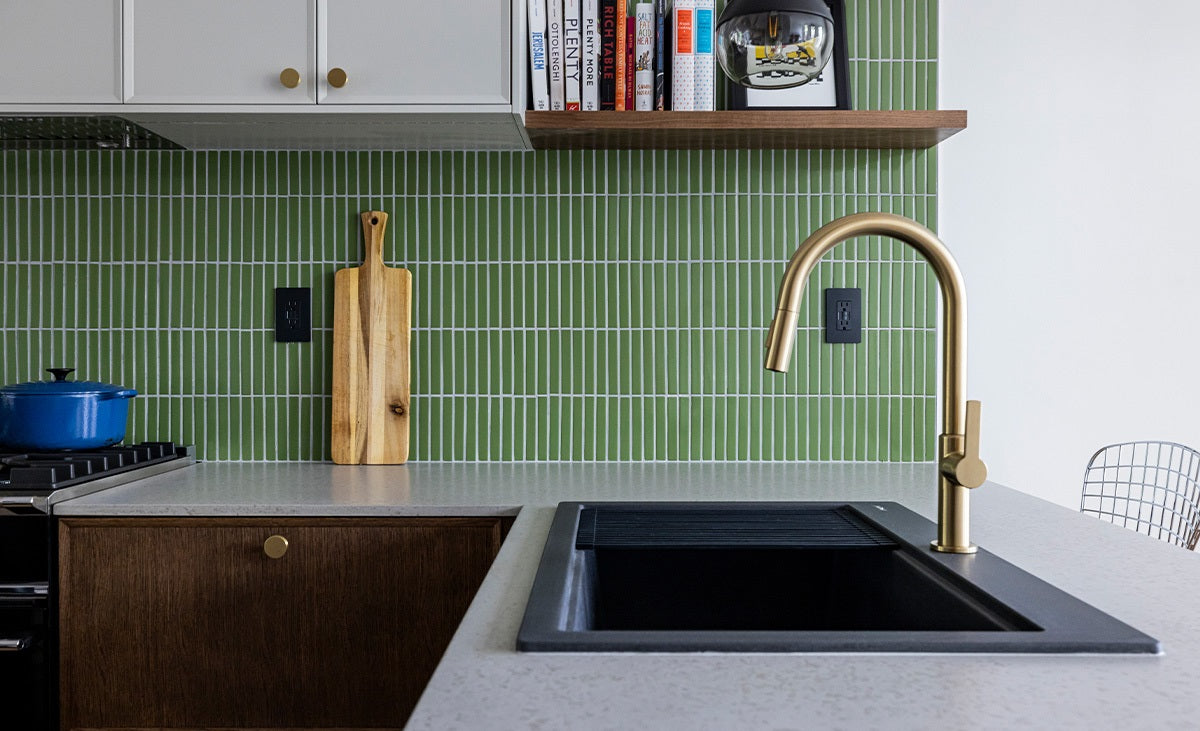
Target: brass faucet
point(959, 465)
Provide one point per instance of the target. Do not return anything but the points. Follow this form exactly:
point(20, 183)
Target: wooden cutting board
point(372, 312)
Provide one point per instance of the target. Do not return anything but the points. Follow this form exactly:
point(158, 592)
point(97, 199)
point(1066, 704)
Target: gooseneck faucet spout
point(959, 465)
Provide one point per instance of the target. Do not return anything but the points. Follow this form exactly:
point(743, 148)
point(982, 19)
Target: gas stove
point(35, 481)
point(31, 483)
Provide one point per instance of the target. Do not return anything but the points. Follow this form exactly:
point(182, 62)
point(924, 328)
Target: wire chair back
point(1150, 487)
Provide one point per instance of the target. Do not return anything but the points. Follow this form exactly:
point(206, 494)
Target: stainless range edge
point(44, 501)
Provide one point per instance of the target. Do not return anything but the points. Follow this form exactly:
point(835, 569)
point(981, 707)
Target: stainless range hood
point(78, 132)
point(223, 129)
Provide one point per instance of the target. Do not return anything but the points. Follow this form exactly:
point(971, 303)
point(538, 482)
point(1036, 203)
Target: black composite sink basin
point(792, 590)
point(790, 577)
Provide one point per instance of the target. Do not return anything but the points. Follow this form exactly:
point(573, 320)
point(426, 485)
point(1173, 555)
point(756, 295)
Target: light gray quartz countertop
point(483, 683)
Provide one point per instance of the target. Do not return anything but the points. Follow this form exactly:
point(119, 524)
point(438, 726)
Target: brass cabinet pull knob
point(275, 546)
point(337, 77)
point(290, 78)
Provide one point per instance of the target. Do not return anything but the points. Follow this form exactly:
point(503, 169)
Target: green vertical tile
point(625, 293)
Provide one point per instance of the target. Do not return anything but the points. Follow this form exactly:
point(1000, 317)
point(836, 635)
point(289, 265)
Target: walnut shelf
point(800, 129)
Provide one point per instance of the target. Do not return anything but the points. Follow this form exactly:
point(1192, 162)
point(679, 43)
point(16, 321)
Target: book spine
point(539, 81)
point(554, 53)
point(590, 76)
point(620, 52)
point(643, 95)
point(661, 53)
point(608, 54)
point(572, 46)
point(705, 79)
point(683, 58)
point(630, 56)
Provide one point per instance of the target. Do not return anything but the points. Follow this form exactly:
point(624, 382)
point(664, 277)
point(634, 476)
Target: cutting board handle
point(374, 223)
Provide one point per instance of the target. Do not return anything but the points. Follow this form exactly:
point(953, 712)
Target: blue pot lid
point(60, 386)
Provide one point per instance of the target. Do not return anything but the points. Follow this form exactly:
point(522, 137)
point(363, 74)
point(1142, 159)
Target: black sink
point(790, 577)
point(793, 590)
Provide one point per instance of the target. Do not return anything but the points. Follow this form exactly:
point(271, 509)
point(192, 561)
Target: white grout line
point(550, 395)
point(125, 263)
point(540, 462)
point(412, 197)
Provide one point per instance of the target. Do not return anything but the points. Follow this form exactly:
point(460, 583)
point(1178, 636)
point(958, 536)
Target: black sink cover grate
point(692, 527)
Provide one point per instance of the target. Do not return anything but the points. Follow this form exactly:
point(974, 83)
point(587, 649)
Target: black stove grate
point(47, 471)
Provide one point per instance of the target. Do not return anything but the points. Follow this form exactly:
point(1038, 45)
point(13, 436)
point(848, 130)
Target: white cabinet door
point(417, 51)
point(218, 51)
point(60, 51)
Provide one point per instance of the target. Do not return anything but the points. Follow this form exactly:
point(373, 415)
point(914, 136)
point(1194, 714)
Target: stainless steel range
point(31, 483)
point(35, 481)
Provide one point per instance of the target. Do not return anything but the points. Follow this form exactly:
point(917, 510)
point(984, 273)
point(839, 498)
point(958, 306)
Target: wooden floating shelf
point(799, 129)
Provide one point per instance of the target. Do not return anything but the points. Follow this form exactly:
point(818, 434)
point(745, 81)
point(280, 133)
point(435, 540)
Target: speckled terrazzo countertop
point(482, 683)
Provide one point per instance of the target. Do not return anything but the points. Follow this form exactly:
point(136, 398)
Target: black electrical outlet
point(293, 315)
point(843, 315)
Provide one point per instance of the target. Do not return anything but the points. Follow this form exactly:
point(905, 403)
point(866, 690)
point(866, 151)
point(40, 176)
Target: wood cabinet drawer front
point(173, 623)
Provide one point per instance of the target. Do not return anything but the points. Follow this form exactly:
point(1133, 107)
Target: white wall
point(1070, 202)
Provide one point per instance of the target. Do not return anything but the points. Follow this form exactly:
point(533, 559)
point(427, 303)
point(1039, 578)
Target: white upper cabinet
point(416, 51)
point(389, 52)
point(276, 74)
point(60, 51)
point(220, 52)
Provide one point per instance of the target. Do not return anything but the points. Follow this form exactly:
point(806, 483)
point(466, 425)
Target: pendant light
point(774, 44)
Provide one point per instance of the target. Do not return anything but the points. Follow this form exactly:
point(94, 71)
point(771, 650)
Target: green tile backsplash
point(567, 305)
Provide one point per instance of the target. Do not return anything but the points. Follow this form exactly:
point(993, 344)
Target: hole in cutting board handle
point(374, 220)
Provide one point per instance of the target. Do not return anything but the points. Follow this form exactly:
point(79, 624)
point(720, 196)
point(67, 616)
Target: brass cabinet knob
point(337, 77)
point(275, 546)
point(290, 78)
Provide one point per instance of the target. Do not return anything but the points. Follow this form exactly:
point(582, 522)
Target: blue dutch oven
point(62, 414)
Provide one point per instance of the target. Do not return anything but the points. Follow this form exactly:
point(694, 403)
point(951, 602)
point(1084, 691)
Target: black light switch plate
point(293, 315)
point(843, 315)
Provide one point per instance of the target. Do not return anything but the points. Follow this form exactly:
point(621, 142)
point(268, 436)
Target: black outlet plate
point(293, 315)
point(843, 315)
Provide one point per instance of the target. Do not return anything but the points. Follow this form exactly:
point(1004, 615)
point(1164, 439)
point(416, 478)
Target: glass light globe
point(774, 44)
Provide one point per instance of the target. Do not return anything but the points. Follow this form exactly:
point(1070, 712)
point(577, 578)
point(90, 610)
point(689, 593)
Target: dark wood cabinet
point(186, 623)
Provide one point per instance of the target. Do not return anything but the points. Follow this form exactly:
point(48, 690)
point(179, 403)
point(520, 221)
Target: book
point(620, 52)
point(630, 54)
point(539, 88)
point(590, 74)
point(554, 54)
point(608, 54)
point(705, 99)
point(662, 54)
point(683, 57)
point(572, 47)
point(643, 75)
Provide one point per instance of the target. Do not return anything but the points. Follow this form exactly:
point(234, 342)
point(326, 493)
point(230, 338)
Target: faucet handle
point(966, 468)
